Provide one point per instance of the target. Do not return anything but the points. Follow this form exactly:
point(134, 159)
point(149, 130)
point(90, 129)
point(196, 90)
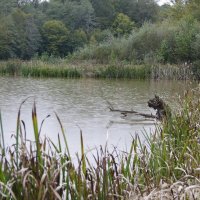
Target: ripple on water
point(81, 104)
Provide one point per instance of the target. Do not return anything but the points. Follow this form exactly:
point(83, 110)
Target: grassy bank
point(37, 69)
point(63, 68)
point(167, 165)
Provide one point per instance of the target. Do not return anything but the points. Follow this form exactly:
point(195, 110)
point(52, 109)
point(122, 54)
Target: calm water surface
point(81, 104)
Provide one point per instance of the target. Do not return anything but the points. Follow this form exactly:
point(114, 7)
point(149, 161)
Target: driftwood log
point(162, 109)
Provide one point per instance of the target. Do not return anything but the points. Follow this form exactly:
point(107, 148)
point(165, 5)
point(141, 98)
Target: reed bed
point(168, 164)
point(38, 69)
point(63, 68)
point(173, 72)
point(126, 72)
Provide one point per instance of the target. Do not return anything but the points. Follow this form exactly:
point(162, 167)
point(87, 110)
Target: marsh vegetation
point(119, 36)
point(122, 39)
point(40, 169)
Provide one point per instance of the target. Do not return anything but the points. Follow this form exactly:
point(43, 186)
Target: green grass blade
point(64, 136)
point(36, 133)
point(18, 130)
point(129, 159)
point(2, 133)
point(17, 136)
point(83, 155)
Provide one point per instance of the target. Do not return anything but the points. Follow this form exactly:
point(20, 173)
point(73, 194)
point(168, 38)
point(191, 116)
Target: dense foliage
point(106, 30)
point(59, 27)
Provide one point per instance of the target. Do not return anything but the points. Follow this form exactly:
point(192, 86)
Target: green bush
point(122, 25)
point(181, 44)
point(146, 40)
point(99, 36)
point(141, 44)
point(165, 42)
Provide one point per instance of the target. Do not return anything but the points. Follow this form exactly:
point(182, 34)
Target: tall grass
point(173, 72)
point(2, 144)
point(51, 72)
point(38, 69)
point(69, 69)
point(128, 72)
point(43, 169)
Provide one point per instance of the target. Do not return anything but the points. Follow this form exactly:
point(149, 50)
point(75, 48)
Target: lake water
point(81, 104)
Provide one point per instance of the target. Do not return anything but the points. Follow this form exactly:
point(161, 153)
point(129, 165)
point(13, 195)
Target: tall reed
point(126, 72)
point(2, 143)
point(114, 69)
point(38, 69)
point(43, 169)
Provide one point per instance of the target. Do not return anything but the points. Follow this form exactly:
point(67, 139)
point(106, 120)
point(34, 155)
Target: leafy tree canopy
point(55, 37)
point(122, 25)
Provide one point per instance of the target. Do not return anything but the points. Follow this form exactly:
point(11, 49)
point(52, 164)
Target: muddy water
point(82, 104)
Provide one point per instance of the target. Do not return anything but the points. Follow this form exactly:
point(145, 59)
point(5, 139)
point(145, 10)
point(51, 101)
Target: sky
point(161, 2)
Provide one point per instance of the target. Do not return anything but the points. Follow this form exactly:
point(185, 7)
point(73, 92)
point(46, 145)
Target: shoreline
point(64, 69)
point(166, 165)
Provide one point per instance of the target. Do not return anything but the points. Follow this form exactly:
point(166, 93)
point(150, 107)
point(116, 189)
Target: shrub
point(179, 44)
point(99, 36)
point(122, 25)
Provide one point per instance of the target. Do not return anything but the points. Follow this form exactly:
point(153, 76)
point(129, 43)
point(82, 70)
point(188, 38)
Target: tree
point(27, 36)
point(82, 15)
point(6, 38)
point(139, 11)
point(193, 8)
point(55, 38)
point(122, 25)
point(177, 11)
point(183, 8)
point(74, 14)
point(104, 13)
point(78, 38)
point(7, 6)
point(184, 39)
point(181, 45)
point(19, 36)
point(99, 36)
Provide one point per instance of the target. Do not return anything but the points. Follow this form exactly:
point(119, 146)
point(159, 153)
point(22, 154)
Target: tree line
point(168, 33)
point(59, 27)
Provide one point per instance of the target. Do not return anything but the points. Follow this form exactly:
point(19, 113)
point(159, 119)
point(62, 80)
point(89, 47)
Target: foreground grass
point(64, 68)
point(43, 170)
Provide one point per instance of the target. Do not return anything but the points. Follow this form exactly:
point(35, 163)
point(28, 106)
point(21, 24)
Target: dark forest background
point(130, 30)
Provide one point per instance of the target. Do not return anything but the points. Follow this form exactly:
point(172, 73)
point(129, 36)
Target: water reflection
point(81, 104)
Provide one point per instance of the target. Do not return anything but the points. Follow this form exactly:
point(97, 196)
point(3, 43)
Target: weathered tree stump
point(162, 109)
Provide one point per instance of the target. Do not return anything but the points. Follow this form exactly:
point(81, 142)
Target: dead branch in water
point(125, 112)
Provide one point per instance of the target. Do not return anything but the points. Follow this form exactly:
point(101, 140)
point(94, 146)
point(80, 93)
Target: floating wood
point(134, 122)
point(125, 112)
point(163, 111)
